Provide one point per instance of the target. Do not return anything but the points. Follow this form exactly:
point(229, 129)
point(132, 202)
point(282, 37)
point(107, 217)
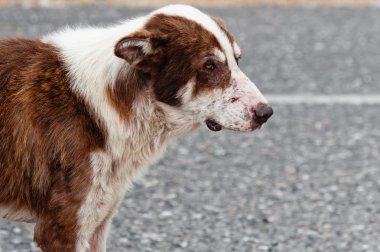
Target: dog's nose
point(263, 112)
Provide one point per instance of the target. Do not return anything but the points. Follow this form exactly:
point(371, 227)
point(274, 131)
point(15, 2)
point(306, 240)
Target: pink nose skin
point(262, 113)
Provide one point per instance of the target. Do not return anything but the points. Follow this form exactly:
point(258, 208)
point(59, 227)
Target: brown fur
point(46, 135)
point(211, 80)
point(126, 88)
point(187, 43)
point(179, 45)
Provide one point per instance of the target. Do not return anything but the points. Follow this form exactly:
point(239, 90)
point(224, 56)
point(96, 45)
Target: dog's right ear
point(135, 48)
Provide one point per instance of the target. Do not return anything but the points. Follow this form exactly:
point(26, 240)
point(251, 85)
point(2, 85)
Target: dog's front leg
point(55, 235)
point(98, 241)
point(76, 208)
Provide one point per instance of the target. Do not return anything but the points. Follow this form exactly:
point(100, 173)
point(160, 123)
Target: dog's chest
point(115, 169)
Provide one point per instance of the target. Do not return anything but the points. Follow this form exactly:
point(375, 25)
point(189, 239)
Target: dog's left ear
point(136, 48)
point(219, 22)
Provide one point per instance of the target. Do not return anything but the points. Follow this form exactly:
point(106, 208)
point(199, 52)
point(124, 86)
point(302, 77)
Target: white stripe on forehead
point(202, 19)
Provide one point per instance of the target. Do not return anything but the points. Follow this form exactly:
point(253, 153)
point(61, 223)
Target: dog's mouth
point(215, 126)
point(212, 125)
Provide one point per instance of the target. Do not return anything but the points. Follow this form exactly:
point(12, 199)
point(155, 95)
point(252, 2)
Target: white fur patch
point(186, 92)
point(89, 56)
point(237, 50)
point(99, 238)
point(220, 55)
point(99, 200)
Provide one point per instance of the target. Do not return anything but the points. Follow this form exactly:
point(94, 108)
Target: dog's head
point(191, 60)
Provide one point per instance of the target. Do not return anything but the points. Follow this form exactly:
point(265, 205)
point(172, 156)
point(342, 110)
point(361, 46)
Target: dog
point(83, 111)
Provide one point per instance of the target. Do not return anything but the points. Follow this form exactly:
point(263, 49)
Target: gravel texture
point(308, 181)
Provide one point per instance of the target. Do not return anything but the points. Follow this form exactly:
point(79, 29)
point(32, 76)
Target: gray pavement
point(307, 181)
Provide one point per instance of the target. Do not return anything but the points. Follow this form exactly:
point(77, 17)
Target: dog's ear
point(219, 22)
point(133, 50)
point(137, 47)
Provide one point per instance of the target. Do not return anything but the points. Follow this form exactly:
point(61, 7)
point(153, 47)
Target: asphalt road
point(307, 181)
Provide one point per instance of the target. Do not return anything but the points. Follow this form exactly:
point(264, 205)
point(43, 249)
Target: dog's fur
point(83, 111)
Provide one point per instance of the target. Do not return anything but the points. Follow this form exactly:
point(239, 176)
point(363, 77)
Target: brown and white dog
point(82, 111)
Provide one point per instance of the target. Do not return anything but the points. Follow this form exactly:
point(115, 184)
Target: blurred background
point(309, 180)
point(206, 3)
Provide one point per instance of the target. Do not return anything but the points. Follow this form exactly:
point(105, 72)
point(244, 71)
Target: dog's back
point(40, 120)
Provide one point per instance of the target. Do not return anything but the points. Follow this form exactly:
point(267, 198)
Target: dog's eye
point(210, 65)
